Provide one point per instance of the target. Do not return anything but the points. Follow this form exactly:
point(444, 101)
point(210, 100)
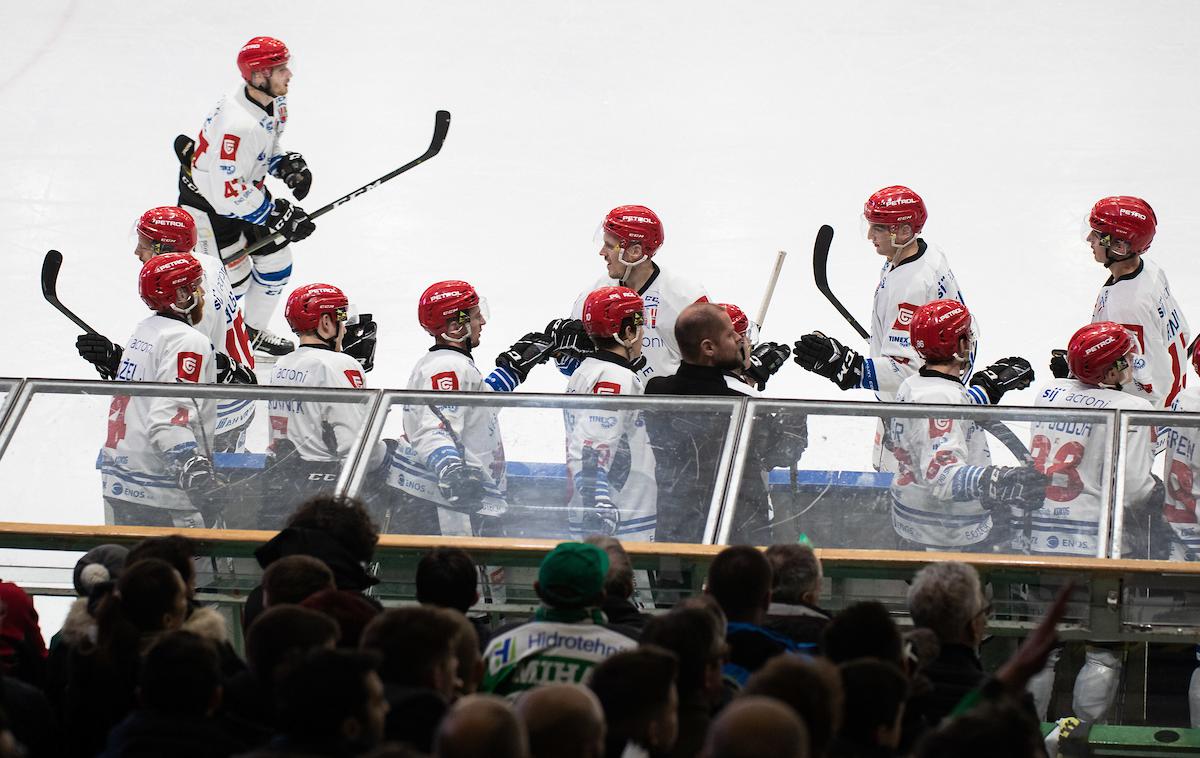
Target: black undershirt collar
point(921, 248)
point(269, 108)
point(649, 281)
point(321, 346)
point(455, 348)
point(926, 371)
point(610, 357)
point(1131, 275)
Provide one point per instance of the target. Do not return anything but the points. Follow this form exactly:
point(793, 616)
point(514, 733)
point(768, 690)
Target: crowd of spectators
point(752, 666)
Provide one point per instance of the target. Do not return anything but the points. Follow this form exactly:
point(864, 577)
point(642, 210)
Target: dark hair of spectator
point(633, 686)
point(180, 675)
point(349, 609)
point(147, 591)
point(863, 630)
point(740, 579)
point(446, 577)
point(175, 549)
point(283, 632)
point(795, 572)
point(343, 518)
point(317, 692)
point(811, 688)
point(692, 635)
point(292, 578)
point(618, 582)
point(991, 730)
point(874, 692)
point(411, 642)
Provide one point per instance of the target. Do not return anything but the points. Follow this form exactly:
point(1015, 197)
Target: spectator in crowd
point(350, 610)
point(697, 638)
point(637, 690)
point(811, 688)
point(795, 589)
point(417, 647)
point(568, 634)
point(329, 703)
point(755, 726)
point(863, 630)
point(470, 657)
point(280, 634)
point(618, 606)
point(562, 721)
point(149, 599)
point(33, 726)
point(874, 693)
point(336, 530)
point(293, 578)
point(9, 747)
point(22, 648)
point(481, 726)
point(948, 599)
point(740, 581)
point(448, 578)
point(997, 729)
point(179, 690)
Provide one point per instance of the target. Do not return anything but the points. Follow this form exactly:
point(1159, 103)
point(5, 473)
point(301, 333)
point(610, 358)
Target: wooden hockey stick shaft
point(766, 301)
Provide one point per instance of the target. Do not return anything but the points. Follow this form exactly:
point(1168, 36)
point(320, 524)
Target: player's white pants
point(1041, 684)
point(1096, 685)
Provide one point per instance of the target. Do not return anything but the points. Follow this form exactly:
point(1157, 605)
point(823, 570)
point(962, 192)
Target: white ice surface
point(745, 126)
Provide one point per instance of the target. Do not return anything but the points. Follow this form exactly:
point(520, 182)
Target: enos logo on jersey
point(189, 367)
point(905, 317)
point(446, 381)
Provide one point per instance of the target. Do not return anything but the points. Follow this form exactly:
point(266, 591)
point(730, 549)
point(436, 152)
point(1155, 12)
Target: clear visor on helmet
point(474, 312)
point(352, 314)
point(1105, 240)
point(606, 238)
point(751, 334)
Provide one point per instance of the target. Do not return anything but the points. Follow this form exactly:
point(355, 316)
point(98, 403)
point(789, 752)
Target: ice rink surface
point(744, 126)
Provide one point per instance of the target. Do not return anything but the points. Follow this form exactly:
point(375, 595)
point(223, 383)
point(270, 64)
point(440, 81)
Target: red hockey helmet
point(446, 301)
point(164, 275)
point(307, 304)
point(635, 225)
point(937, 327)
point(1125, 219)
point(740, 321)
point(894, 206)
point(261, 54)
point(1094, 349)
point(169, 228)
point(606, 309)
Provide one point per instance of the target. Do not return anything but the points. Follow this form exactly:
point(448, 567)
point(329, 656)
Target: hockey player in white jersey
point(1137, 296)
point(223, 186)
point(451, 463)
point(914, 273)
point(632, 236)
point(169, 229)
point(1181, 473)
point(946, 486)
point(610, 464)
point(156, 463)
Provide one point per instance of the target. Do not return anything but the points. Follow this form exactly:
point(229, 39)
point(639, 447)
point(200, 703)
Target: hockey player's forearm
point(884, 374)
point(502, 380)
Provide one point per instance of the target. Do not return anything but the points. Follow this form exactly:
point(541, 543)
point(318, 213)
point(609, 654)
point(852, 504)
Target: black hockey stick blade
point(441, 127)
point(821, 276)
point(50, 266)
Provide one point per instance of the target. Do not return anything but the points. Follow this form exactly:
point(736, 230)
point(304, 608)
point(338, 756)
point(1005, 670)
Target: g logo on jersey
point(940, 426)
point(229, 147)
point(356, 378)
point(446, 381)
point(606, 388)
point(189, 367)
point(905, 317)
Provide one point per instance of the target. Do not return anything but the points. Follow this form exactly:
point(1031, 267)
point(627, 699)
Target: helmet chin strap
point(629, 265)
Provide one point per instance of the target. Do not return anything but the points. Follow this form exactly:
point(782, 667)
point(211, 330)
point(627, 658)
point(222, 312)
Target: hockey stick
point(766, 301)
point(50, 266)
point(821, 276)
point(441, 126)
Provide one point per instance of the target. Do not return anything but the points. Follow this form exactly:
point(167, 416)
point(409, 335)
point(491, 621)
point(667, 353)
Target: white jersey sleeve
point(1181, 475)
point(234, 152)
point(1143, 303)
point(320, 431)
point(222, 320)
point(148, 436)
point(941, 462)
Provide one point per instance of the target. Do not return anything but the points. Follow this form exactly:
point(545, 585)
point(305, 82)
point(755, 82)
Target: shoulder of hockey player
point(341, 370)
point(183, 355)
point(676, 290)
point(233, 156)
point(446, 370)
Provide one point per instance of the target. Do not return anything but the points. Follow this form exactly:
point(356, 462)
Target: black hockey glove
point(569, 338)
point(1020, 486)
point(359, 342)
point(101, 353)
point(230, 371)
point(765, 360)
point(1012, 373)
point(293, 170)
point(289, 220)
point(196, 474)
point(525, 353)
point(829, 358)
point(460, 483)
point(1058, 364)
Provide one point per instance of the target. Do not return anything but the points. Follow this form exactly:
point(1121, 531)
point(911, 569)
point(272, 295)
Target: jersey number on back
point(116, 420)
point(1065, 465)
point(1181, 503)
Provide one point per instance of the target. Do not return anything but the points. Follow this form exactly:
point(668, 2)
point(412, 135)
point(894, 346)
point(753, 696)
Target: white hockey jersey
point(621, 443)
point(1142, 302)
point(473, 434)
point(320, 431)
point(147, 435)
point(940, 464)
point(222, 324)
point(903, 289)
point(238, 144)
point(664, 296)
point(1181, 475)
point(1075, 455)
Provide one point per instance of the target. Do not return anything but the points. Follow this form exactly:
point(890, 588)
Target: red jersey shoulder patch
point(229, 147)
point(606, 388)
point(940, 426)
point(445, 381)
point(904, 318)
point(189, 367)
point(355, 377)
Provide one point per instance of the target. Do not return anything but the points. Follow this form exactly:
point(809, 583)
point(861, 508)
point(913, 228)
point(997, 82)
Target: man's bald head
point(562, 720)
point(706, 337)
point(752, 726)
point(480, 726)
